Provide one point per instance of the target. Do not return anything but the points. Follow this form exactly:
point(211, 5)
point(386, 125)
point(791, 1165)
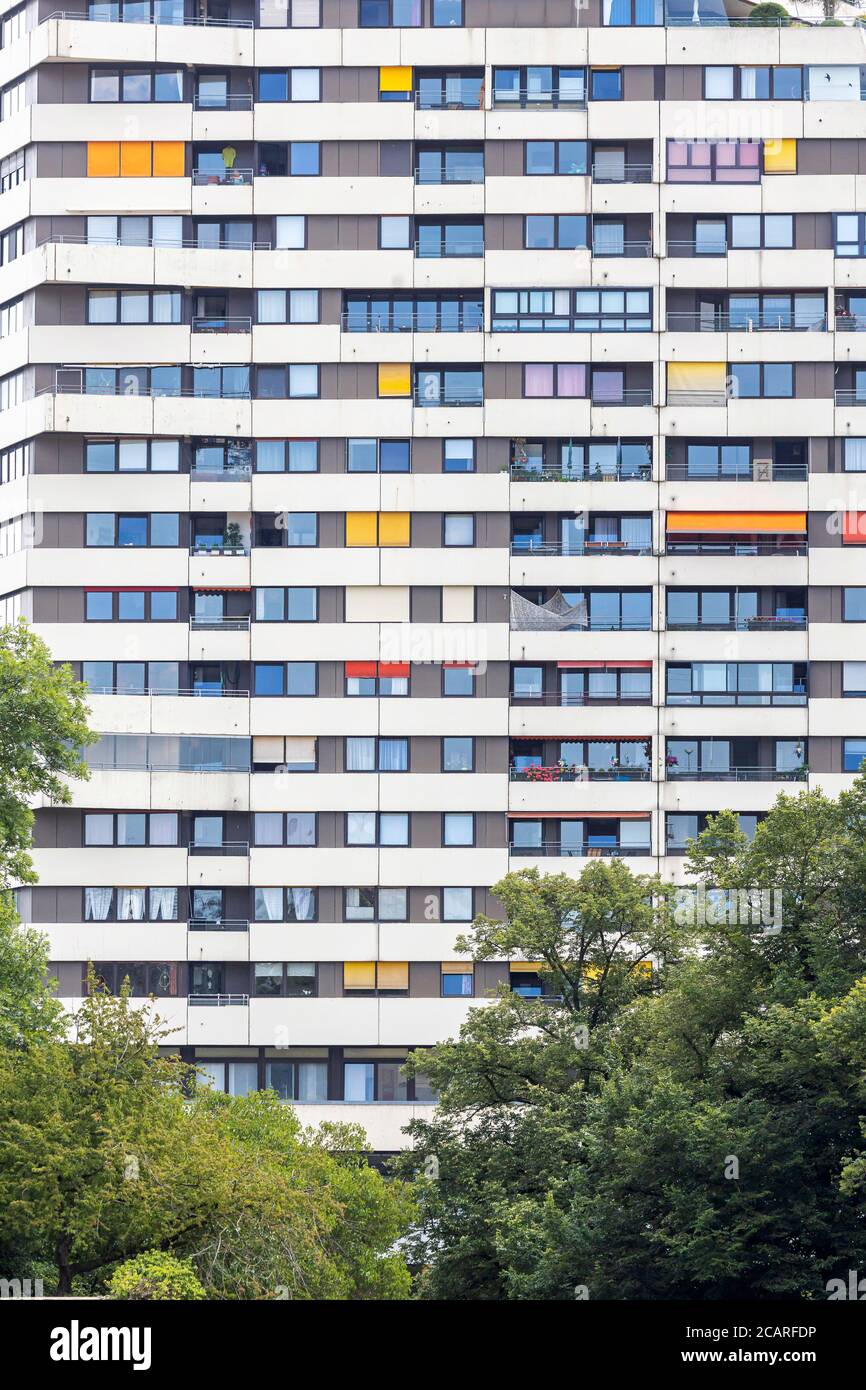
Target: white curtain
point(748, 83)
point(302, 902)
point(360, 755)
point(163, 904)
point(97, 904)
point(392, 755)
point(130, 904)
point(636, 532)
point(269, 904)
point(608, 238)
point(855, 455)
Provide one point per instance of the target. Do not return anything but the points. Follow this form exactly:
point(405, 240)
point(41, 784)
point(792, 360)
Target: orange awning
point(854, 528)
point(738, 523)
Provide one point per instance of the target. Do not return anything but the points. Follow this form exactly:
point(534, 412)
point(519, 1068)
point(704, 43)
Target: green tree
point(127, 1163)
point(43, 725)
point(28, 1009)
point(156, 1275)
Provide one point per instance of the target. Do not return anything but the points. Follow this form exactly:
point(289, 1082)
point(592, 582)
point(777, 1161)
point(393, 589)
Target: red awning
point(361, 668)
point(394, 668)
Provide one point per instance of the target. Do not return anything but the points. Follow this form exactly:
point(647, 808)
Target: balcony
point(213, 178)
point(223, 624)
point(528, 545)
point(557, 849)
point(851, 323)
point(534, 471)
point(453, 317)
point(758, 545)
point(751, 699)
point(764, 322)
point(756, 472)
point(850, 395)
point(225, 924)
point(225, 101)
point(200, 548)
point(567, 700)
point(622, 173)
point(218, 1001)
point(677, 248)
point(166, 13)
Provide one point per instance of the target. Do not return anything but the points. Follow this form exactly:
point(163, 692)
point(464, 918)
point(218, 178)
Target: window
point(569, 311)
point(304, 158)
point(139, 85)
point(605, 84)
point(854, 678)
point(295, 828)
point(377, 828)
point(438, 239)
point(298, 1081)
point(539, 86)
point(555, 157)
point(849, 233)
point(284, 904)
point(458, 829)
point(133, 306)
point(458, 681)
point(290, 233)
point(292, 84)
point(157, 529)
point(288, 306)
point(395, 233)
point(447, 14)
point(377, 455)
point(287, 456)
point(457, 905)
point(389, 14)
point(770, 230)
point(382, 977)
point(458, 754)
point(289, 980)
point(12, 171)
point(11, 317)
point(550, 233)
point(554, 379)
point(780, 156)
point(761, 379)
point(377, 755)
point(457, 979)
point(291, 14)
point(371, 678)
point(853, 754)
point(449, 386)
point(854, 605)
point(703, 161)
point(395, 84)
point(458, 456)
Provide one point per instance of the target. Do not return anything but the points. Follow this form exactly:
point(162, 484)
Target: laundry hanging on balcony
point(554, 615)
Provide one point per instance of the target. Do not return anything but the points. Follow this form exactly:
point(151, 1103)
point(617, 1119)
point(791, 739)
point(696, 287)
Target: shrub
point(155, 1275)
point(769, 13)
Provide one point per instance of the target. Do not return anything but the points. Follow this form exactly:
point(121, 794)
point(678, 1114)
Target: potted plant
point(232, 538)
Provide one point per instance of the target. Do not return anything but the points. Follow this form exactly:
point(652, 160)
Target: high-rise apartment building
point(433, 430)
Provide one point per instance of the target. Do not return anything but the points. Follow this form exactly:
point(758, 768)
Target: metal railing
point(207, 323)
point(635, 395)
point(554, 472)
point(202, 178)
point(529, 546)
point(154, 243)
point(558, 850)
point(758, 546)
point(464, 173)
point(711, 398)
point(569, 701)
point(181, 691)
point(781, 473)
point(849, 395)
point(678, 248)
point(240, 472)
point(850, 323)
point(468, 98)
point(755, 699)
point(467, 249)
point(205, 548)
point(228, 849)
point(768, 624)
point(689, 322)
point(59, 388)
point(232, 101)
point(241, 624)
point(578, 626)
point(222, 924)
point(624, 173)
point(530, 99)
point(629, 248)
point(219, 1001)
point(737, 774)
point(415, 322)
point(542, 776)
point(476, 399)
point(175, 21)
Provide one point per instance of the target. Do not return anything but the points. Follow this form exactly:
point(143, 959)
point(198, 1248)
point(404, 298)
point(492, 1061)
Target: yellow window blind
point(168, 159)
point(394, 379)
point(135, 159)
point(103, 159)
point(706, 378)
point(457, 967)
point(394, 528)
point(780, 156)
point(361, 528)
point(359, 974)
point(393, 974)
point(395, 79)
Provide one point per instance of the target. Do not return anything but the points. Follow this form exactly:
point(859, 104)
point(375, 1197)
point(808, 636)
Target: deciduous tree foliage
point(705, 1137)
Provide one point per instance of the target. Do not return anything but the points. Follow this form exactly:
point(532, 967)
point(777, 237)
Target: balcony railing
point(205, 178)
point(737, 774)
point(218, 1001)
point(781, 473)
point(689, 322)
point(697, 397)
point(850, 323)
point(221, 924)
point(154, 243)
point(679, 248)
point(531, 99)
point(238, 624)
point(568, 701)
point(79, 388)
point(559, 773)
point(197, 691)
point(528, 545)
point(414, 322)
point(461, 173)
point(226, 849)
point(457, 96)
point(772, 623)
point(560, 850)
point(625, 248)
point(758, 546)
point(530, 472)
point(173, 19)
point(217, 548)
point(850, 395)
point(475, 398)
point(231, 101)
point(227, 473)
point(454, 250)
point(216, 323)
point(752, 699)
point(623, 173)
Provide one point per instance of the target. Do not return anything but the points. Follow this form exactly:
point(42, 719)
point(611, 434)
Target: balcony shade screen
point(780, 156)
point(524, 967)
point(267, 748)
point(394, 379)
point(854, 528)
point(361, 669)
point(394, 528)
point(739, 523)
point(457, 967)
point(697, 378)
point(395, 79)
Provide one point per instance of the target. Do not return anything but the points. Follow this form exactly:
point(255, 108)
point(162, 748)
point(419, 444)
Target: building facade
point(433, 430)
